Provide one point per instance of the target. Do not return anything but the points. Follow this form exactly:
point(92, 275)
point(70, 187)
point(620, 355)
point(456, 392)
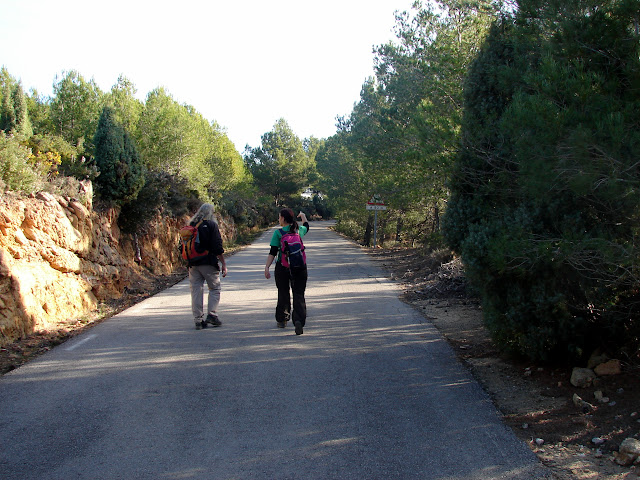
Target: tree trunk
point(435, 227)
point(367, 231)
point(399, 226)
point(381, 227)
point(138, 256)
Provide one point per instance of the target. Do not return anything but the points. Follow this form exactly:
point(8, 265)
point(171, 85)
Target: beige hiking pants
point(198, 275)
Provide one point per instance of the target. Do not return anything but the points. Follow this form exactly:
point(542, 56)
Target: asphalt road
point(369, 391)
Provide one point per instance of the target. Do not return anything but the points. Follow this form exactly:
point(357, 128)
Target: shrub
point(16, 171)
point(351, 228)
point(70, 165)
point(162, 192)
point(66, 187)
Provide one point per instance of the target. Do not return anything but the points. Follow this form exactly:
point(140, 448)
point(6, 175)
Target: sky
point(243, 63)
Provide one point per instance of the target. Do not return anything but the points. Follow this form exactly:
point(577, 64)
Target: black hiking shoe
point(298, 325)
point(213, 320)
point(201, 325)
point(281, 324)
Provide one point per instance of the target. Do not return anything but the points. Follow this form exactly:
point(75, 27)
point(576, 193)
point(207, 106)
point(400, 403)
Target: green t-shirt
point(276, 239)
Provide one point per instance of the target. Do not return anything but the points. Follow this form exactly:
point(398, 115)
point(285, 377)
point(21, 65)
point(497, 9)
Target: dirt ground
point(536, 401)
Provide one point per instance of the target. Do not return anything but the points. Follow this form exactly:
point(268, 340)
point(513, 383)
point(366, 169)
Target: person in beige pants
point(206, 268)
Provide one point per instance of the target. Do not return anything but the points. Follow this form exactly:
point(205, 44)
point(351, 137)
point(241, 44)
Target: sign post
point(375, 204)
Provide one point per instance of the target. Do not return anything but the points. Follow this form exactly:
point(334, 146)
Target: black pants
point(297, 281)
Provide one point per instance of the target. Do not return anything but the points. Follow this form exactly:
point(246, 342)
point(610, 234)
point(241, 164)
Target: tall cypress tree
point(121, 169)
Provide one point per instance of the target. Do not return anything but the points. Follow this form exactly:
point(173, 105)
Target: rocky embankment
point(59, 258)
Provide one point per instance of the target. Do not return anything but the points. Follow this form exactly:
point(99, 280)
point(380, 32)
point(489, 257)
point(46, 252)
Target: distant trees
point(280, 166)
point(544, 205)
point(75, 109)
point(164, 133)
point(340, 173)
point(176, 139)
point(83, 132)
point(401, 137)
point(39, 111)
point(126, 107)
point(14, 115)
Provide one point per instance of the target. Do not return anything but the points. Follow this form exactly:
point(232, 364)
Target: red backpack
point(292, 249)
point(191, 245)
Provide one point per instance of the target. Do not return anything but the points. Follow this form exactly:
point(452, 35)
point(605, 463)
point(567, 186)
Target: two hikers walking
point(203, 250)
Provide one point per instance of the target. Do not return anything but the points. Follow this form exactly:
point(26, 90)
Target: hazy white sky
point(242, 63)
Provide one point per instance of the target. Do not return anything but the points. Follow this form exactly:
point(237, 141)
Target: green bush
point(350, 227)
point(66, 187)
point(71, 165)
point(16, 171)
point(246, 209)
point(162, 192)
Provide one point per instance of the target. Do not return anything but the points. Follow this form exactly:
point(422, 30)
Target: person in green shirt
point(288, 280)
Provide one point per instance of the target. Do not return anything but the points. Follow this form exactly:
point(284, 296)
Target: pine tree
point(7, 111)
point(22, 122)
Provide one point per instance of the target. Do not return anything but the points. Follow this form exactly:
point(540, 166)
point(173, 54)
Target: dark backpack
point(292, 249)
point(192, 247)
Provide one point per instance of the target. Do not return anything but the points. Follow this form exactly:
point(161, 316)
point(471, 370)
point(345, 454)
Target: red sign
point(375, 200)
point(376, 203)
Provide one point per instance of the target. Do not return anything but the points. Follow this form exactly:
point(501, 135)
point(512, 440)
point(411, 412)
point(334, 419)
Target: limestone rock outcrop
point(59, 258)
